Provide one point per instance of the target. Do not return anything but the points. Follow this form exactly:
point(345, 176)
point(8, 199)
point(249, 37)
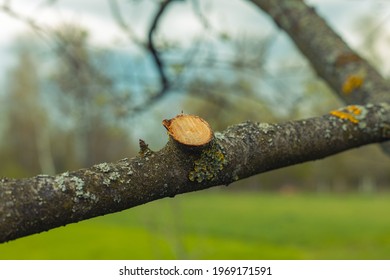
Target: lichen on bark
point(209, 164)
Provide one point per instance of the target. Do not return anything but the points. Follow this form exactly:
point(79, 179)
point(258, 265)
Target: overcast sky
point(232, 15)
point(235, 17)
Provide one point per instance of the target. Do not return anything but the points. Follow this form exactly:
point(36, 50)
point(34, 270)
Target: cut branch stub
point(189, 130)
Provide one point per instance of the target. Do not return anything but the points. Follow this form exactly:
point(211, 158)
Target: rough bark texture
point(43, 202)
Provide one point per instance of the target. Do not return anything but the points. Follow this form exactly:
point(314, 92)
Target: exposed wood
point(189, 130)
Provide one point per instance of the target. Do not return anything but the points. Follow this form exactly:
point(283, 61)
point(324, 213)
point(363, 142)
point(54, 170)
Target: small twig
point(116, 13)
point(198, 12)
point(6, 8)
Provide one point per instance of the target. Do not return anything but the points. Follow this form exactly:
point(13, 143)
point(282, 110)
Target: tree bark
point(332, 59)
point(43, 202)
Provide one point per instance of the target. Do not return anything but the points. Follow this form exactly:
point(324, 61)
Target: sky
point(180, 22)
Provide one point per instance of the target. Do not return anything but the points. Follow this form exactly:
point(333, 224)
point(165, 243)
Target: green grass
point(221, 225)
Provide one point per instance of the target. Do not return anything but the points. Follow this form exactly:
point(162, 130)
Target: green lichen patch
point(112, 176)
point(103, 167)
point(266, 127)
point(211, 161)
point(66, 182)
point(60, 181)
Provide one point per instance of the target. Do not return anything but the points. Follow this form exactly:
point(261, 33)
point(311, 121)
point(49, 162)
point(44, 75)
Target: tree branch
point(37, 204)
point(352, 78)
point(330, 56)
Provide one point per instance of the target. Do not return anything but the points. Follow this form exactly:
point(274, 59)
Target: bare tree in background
point(43, 202)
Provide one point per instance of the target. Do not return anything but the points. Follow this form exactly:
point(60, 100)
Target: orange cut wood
point(189, 130)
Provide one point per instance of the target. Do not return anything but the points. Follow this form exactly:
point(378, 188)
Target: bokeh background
point(80, 86)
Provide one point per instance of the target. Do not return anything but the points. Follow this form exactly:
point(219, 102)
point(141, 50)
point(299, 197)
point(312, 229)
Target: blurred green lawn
point(224, 225)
